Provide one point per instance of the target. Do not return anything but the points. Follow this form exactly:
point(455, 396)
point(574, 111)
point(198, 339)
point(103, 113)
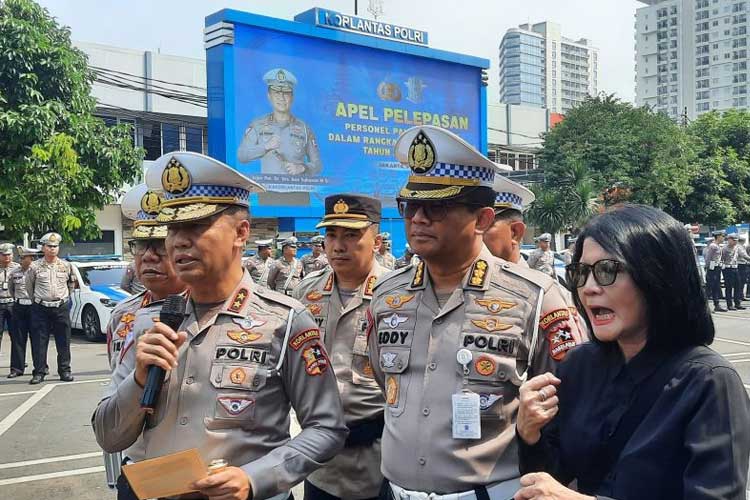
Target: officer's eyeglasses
point(434, 211)
point(605, 272)
point(140, 247)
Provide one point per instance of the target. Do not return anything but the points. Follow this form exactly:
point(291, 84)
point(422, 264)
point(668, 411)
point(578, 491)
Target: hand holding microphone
point(157, 350)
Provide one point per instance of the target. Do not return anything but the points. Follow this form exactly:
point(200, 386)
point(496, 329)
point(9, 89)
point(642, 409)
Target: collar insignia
point(314, 296)
point(329, 283)
point(239, 300)
point(418, 279)
point(369, 285)
point(478, 274)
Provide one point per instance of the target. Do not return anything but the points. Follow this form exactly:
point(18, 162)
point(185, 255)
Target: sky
point(473, 27)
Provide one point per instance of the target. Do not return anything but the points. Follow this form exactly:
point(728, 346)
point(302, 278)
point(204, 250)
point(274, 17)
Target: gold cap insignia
point(175, 179)
point(53, 238)
point(421, 154)
point(150, 203)
point(340, 207)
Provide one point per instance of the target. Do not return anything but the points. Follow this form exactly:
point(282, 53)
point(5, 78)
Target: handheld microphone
point(172, 313)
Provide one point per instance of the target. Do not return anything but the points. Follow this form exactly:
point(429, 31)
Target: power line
point(145, 78)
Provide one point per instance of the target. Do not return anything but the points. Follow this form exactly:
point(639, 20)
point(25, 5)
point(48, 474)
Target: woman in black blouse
point(645, 410)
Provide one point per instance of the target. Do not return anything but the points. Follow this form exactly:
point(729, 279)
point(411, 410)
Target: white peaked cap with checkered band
point(195, 186)
point(442, 164)
point(511, 195)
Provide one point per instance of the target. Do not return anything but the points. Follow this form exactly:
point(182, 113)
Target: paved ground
point(47, 447)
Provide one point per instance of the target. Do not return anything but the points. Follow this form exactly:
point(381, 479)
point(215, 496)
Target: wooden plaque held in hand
point(166, 476)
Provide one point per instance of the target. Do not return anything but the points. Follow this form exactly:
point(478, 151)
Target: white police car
point(97, 292)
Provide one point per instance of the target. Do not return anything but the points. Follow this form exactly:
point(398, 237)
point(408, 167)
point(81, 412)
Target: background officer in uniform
point(338, 298)
point(315, 260)
point(156, 270)
point(286, 271)
point(241, 358)
point(7, 266)
point(542, 258)
point(130, 282)
point(453, 338)
point(729, 262)
point(384, 256)
point(743, 266)
point(21, 311)
point(285, 144)
point(712, 258)
point(259, 264)
point(50, 281)
point(407, 259)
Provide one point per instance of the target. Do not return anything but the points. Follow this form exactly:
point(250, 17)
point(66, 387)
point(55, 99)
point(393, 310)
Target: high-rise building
point(691, 56)
point(540, 67)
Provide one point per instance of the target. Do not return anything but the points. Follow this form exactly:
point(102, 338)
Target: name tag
point(466, 419)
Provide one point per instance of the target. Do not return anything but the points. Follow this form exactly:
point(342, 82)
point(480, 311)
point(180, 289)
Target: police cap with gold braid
point(353, 211)
point(196, 186)
point(443, 167)
point(142, 206)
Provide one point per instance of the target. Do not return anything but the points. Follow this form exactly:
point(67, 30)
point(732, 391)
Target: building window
point(170, 137)
point(152, 139)
point(194, 139)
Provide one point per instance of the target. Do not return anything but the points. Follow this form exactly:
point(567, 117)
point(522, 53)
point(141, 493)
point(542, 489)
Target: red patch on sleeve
point(560, 340)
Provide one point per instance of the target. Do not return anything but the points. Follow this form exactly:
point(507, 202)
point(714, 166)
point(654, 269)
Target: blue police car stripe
point(110, 292)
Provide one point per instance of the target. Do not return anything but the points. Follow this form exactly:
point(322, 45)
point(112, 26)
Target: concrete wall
point(516, 125)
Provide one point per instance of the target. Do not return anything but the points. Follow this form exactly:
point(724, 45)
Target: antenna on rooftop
point(375, 8)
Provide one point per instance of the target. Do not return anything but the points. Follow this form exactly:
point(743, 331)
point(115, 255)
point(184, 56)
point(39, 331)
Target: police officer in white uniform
point(242, 358)
point(286, 271)
point(542, 258)
point(285, 144)
point(315, 260)
point(384, 256)
point(452, 338)
point(712, 258)
point(50, 282)
point(21, 311)
point(155, 271)
point(259, 264)
point(338, 297)
point(7, 266)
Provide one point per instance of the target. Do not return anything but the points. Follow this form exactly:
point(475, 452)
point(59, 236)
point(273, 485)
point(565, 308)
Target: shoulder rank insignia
point(314, 295)
point(239, 300)
point(418, 279)
point(495, 305)
point(329, 283)
point(478, 274)
point(490, 324)
point(369, 285)
point(396, 301)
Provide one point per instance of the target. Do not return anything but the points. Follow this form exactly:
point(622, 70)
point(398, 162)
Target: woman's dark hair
point(658, 254)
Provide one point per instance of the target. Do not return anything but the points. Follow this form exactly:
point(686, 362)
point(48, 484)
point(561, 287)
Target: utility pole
point(355, 8)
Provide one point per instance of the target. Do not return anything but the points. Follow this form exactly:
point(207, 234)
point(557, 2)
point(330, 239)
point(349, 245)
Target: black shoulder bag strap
point(647, 394)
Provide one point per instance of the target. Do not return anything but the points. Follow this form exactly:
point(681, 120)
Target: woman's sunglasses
point(605, 272)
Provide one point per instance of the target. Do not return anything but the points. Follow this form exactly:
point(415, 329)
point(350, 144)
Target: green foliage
point(59, 163)
point(625, 154)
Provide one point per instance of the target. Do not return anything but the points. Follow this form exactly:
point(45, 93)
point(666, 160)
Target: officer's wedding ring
point(542, 395)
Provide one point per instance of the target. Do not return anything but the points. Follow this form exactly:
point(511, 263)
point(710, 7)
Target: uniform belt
point(498, 491)
point(24, 302)
point(50, 303)
point(365, 432)
point(6, 300)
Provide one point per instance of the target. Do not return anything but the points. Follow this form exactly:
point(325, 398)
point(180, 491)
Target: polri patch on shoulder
point(304, 336)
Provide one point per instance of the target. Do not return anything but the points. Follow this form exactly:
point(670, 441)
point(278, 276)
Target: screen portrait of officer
point(284, 144)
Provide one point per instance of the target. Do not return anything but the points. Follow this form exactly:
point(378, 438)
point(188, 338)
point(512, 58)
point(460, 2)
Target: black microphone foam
point(172, 313)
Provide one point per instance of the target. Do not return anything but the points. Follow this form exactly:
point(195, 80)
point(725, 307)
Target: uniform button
point(189, 380)
point(184, 421)
point(422, 461)
point(425, 411)
point(432, 365)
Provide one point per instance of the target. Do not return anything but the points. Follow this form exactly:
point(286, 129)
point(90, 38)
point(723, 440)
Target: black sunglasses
point(435, 211)
point(140, 247)
point(605, 272)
